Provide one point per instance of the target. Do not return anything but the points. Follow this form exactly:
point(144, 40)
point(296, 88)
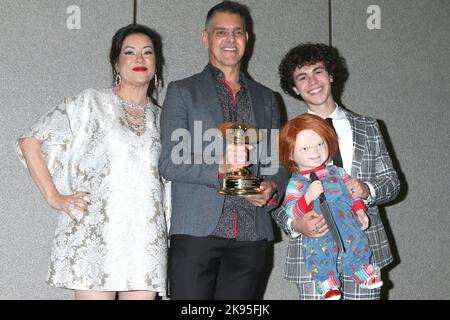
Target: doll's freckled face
point(310, 150)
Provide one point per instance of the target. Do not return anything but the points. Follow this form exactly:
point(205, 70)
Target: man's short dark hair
point(231, 7)
point(307, 54)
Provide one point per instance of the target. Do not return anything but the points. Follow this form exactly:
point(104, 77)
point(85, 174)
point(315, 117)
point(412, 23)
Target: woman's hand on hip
point(67, 203)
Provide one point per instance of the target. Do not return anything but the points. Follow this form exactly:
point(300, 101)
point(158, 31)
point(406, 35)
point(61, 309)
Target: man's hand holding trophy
point(238, 180)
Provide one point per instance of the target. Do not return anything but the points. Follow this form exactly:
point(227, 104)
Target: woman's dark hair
point(307, 54)
point(231, 7)
point(116, 47)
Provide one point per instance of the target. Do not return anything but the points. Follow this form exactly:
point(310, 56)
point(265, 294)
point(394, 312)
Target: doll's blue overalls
point(321, 253)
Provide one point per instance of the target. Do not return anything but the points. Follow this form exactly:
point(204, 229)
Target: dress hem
point(160, 291)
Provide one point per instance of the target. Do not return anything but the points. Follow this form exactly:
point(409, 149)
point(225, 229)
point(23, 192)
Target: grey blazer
point(371, 162)
point(192, 104)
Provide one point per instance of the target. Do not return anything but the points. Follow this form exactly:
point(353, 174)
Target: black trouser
point(205, 268)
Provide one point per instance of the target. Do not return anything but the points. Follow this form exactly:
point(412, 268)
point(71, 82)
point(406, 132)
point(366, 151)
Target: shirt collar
point(219, 76)
point(215, 72)
point(321, 167)
point(337, 114)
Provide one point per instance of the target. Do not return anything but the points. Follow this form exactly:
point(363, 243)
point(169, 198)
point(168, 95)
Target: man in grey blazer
point(218, 243)
point(307, 72)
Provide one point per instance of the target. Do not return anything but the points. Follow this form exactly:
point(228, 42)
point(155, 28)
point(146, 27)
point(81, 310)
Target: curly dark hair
point(306, 54)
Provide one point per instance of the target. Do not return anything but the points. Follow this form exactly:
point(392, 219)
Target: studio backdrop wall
point(398, 61)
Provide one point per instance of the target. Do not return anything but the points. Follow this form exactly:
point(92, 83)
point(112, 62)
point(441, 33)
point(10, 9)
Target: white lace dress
point(120, 244)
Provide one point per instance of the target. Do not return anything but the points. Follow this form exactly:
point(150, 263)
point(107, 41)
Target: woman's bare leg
point(94, 295)
point(137, 295)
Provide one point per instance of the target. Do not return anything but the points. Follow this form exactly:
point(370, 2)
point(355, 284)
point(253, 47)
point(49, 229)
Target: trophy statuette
point(240, 181)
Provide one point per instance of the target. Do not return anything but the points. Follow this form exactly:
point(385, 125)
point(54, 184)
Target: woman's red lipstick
point(140, 69)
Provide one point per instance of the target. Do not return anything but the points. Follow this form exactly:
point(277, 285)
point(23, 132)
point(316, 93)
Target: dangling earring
point(156, 81)
point(117, 79)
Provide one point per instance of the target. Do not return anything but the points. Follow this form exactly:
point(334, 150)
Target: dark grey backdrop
point(399, 74)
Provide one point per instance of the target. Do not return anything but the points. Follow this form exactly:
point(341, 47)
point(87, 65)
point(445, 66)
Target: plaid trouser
point(349, 288)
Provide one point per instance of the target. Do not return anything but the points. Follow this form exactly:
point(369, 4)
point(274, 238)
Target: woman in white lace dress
point(95, 160)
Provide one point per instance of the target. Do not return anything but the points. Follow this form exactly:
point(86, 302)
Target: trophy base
point(238, 185)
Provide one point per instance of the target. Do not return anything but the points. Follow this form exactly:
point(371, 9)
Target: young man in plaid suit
point(310, 72)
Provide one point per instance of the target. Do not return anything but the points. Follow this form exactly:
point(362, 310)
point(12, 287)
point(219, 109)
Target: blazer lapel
point(209, 95)
point(359, 140)
point(259, 116)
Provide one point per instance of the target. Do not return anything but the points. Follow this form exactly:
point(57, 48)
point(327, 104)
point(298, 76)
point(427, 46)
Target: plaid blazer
point(371, 162)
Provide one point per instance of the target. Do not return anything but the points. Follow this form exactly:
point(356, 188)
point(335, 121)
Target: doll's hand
point(363, 218)
point(314, 191)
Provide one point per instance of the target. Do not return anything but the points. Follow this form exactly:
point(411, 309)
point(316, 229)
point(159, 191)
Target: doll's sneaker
point(372, 282)
point(332, 294)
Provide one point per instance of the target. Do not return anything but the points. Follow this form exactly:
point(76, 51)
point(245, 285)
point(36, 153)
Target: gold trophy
point(240, 182)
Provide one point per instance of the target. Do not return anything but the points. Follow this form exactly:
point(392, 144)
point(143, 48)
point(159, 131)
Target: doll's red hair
point(288, 136)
